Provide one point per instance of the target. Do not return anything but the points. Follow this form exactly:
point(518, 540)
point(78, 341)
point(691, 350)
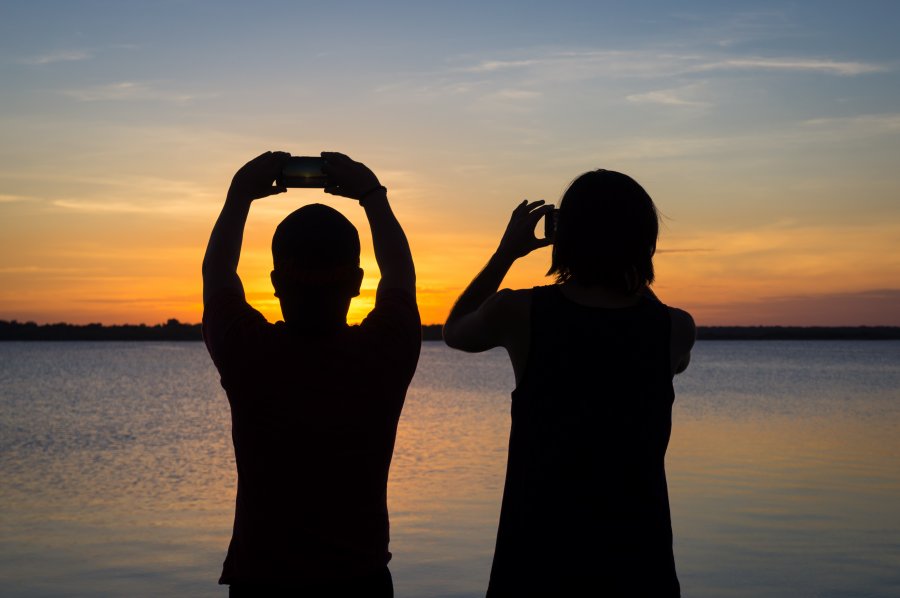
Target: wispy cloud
point(644, 63)
point(787, 252)
point(112, 207)
point(831, 67)
point(44, 270)
point(149, 195)
point(864, 123)
point(685, 250)
point(490, 66)
point(508, 100)
point(516, 94)
point(567, 64)
point(521, 75)
point(681, 96)
point(875, 307)
point(6, 198)
point(129, 91)
point(764, 140)
point(61, 56)
point(155, 300)
point(150, 206)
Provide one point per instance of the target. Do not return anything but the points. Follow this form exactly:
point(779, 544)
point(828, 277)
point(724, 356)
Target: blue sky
point(767, 132)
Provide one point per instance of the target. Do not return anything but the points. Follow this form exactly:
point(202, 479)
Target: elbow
point(447, 334)
point(683, 364)
point(457, 338)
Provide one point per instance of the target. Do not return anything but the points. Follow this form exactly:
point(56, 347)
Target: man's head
point(606, 233)
point(316, 256)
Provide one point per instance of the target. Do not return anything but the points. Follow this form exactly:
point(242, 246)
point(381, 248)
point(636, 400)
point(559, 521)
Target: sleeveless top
point(585, 507)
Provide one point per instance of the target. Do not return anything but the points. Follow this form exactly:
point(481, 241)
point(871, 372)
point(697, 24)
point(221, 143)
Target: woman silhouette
point(585, 506)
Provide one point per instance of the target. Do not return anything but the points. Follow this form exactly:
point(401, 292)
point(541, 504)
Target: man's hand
point(256, 178)
point(519, 239)
point(348, 178)
point(253, 181)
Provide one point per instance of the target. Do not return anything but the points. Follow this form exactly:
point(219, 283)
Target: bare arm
point(355, 180)
point(684, 333)
point(478, 320)
point(253, 181)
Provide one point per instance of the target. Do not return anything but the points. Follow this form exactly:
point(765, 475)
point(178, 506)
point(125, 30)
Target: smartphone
point(550, 220)
point(303, 171)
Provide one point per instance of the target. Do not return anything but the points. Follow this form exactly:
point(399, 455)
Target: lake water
point(118, 474)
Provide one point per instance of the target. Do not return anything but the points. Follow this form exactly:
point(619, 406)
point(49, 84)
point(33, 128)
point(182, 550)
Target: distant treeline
point(173, 330)
point(798, 333)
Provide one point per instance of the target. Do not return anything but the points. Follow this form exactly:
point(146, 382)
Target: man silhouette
point(314, 402)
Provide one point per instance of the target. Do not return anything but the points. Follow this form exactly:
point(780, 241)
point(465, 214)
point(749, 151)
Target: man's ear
point(273, 276)
point(357, 282)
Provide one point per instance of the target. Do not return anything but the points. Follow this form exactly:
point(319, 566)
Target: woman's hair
point(606, 233)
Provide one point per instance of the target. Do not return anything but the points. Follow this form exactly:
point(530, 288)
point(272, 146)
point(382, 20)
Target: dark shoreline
point(173, 330)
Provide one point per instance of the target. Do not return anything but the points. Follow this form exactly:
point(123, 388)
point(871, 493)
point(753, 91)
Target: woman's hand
point(519, 239)
point(256, 178)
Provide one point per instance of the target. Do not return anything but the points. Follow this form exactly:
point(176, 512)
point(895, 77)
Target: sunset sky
point(768, 134)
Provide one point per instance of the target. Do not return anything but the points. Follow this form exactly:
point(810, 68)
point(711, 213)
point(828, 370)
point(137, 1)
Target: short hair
point(316, 246)
point(606, 233)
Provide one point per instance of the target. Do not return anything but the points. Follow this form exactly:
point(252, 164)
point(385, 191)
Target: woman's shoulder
point(684, 330)
point(681, 318)
point(519, 301)
point(513, 301)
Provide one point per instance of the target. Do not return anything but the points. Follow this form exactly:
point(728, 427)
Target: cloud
point(578, 64)
point(864, 123)
point(871, 307)
point(43, 270)
point(129, 91)
point(669, 97)
point(783, 260)
point(507, 100)
point(113, 207)
point(589, 63)
point(831, 67)
point(135, 194)
point(6, 198)
point(685, 250)
point(520, 76)
point(62, 56)
point(764, 140)
point(149, 206)
point(516, 94)
point(514, 81)
point(154, 300)
point(490, 66)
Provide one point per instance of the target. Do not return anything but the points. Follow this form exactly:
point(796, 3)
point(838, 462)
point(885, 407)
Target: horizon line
point(177, 322)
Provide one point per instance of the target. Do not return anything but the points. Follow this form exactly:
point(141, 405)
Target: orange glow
point(127, 263)
point(779, 275)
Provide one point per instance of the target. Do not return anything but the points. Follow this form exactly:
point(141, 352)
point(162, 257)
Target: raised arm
point(481, 317)
point(253, 181)
point(354, 180)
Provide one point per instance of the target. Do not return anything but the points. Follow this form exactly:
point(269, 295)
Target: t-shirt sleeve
point(229, 322)
point(394, 325)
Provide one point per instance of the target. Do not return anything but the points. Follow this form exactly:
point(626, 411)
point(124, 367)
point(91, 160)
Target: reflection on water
point(118, 474)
